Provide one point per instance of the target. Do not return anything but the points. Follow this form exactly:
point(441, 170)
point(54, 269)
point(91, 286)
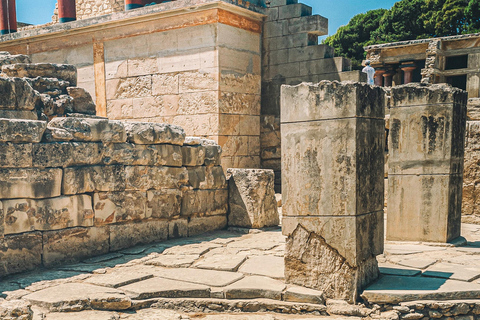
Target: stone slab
point(78, 296)
point(303, 295)
point(91, 129)
point(414, 262)
point(453, 271)
point(173, 261)
point(407, 249)
point(160, 287)
point(118, 278)
point(20, 130)
point(253, 287)
point(269, 266)
point(221, 262)
point(210, 278)
point(30, 183)
point(394, 289)
point(397, 270)
point(192, 249)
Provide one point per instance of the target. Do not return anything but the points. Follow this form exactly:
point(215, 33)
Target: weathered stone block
point(154, 133)
point(30, 183)
point(150, 177)
point(415, 94)
point(128, 235)
point(207, 177)
point(19, 114)
point(193, 156)
point(72, 245)
point(164, 204)
point(17, 94)
point(48, 86)
point(113, 207)
point(91, 129)
point(355, 187)
point(13, 155)
point(65, 72)
point(204, 202)
point(199, 225)
point(251, 198)
point(7, 58)
point(79, 180)
point(64, 154)
point(424, 207)
point(82, 100)
point(178, 228)
point(25, 215)
point(18, 131)
point(143, 155)
point(20, 253)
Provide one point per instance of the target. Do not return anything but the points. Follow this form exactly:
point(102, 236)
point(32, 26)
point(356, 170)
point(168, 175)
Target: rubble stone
point(47, 70)
point(251, 198)
point(91, 129)
point(82, 100)
point(17, 94)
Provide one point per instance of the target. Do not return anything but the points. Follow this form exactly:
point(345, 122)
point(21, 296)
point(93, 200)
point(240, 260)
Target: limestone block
point(132, 87)
point(424, 207)
point(19, 130)
point(154, 133)
point(137, 154)
point(17, 94)
point(199, 225)
point(25, 215)
point(16, 309)
point(178, 228)
point(113, 207)
point(166, 83)
point(19, 114)
point(128, 235)
point(204, 202)
point(473, 109)
point(48, 85)
point(355, 187)
point(150, 177)
point(439, 147)
point(239, 103)
point(78, 180)
point(415, 94)
point(193, 156)
point(251, 198)
point(64, 154)
point(82, 100)
point(207, 177)
point(65, 72)
point(7, 58)
point(71, 245)
point(164, 204)
point(13, 155)
point(91, 129)
point(30, 183)
point(20, 253)
point(198, 81)
point(213, 152)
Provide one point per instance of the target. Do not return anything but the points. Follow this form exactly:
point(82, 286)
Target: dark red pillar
point(379, 76)
point(408, 68)
point(66, 11)
point(8, 16)
point(133, 4)
point(388, 78)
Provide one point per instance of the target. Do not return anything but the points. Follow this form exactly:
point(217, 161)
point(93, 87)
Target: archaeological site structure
point(160, 159)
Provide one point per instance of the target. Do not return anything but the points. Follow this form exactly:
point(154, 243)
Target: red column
point(66, 11)
point(379, 77)
point(408, 69)
point(387, 78)
point(133, 4)
point(8, 16)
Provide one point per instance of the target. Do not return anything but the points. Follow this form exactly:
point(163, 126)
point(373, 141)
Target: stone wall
point(291, 55)
point(82, 185)
point(93, 8)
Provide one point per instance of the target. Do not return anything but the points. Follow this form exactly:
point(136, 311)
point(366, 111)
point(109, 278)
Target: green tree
point(472, 13)
point(446, 17)
point(350, 39)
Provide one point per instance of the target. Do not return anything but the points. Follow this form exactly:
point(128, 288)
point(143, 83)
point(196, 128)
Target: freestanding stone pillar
point(426, 151)
point(408, 68)
point(66, 11)
point(379, 77)
point(333, 138)
point(133, 4)
point(8, 16)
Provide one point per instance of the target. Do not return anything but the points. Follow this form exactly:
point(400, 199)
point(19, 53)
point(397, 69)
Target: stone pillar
point(333, 139)
point(66, 11)
point(8, 16)
point(387, 78)
point(133, 4)
point(426, 151)
point(408, 68)
point(379, 76)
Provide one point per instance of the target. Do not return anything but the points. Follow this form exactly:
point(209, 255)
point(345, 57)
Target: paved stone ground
point(231, 271)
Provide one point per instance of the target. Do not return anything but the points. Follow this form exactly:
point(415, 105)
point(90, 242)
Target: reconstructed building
point(214, 67)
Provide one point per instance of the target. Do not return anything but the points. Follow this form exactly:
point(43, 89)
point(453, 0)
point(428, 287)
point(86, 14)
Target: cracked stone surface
point(215, 271)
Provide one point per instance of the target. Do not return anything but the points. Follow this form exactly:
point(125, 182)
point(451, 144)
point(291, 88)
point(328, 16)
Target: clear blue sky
point(338, 12)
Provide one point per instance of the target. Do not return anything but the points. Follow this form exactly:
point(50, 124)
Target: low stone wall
point(111, 186)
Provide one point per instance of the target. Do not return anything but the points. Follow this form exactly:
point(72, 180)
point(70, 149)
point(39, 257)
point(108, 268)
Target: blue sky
point(338, 12)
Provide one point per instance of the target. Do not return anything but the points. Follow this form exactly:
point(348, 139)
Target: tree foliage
point(406, 20)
